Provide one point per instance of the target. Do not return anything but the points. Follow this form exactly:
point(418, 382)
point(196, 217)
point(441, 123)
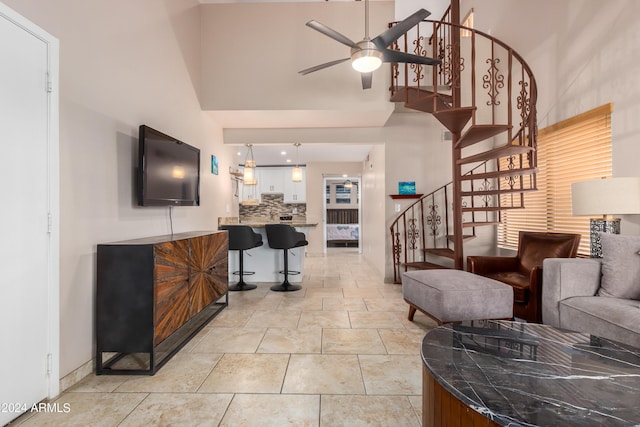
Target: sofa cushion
point(620, 266)
point(613, 318)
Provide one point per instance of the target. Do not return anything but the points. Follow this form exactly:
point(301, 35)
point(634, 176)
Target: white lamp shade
point(248, 177)
point(610, 196)
point(296, 174)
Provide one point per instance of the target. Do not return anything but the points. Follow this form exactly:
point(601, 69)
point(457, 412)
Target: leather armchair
point(524, 271)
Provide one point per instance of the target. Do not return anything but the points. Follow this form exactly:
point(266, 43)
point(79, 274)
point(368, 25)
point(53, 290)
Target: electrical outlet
point(397, 207)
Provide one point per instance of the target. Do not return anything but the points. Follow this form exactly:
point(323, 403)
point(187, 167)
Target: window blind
point(573, 150)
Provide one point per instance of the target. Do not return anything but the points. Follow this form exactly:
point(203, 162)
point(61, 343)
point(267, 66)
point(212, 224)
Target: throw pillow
point(620, 266)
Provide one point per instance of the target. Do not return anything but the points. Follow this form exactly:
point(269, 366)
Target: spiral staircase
point(484, 94)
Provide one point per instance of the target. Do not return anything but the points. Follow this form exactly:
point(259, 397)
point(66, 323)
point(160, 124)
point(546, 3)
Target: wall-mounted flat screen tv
point(168, 170)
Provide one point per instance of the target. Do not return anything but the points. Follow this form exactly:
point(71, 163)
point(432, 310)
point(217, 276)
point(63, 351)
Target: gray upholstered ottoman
point(455, 295)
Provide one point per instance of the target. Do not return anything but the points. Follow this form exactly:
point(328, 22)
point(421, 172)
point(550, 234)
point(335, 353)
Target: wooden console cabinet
point(155, 294)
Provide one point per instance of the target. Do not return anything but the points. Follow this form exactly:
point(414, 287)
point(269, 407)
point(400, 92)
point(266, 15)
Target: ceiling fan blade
point(323, 66)
point(393, 33)
point(331, 33)
point(389, 55)
point(366, 80)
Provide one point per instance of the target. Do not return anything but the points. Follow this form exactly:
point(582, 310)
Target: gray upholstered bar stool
point(285, 237)
point(241, 238)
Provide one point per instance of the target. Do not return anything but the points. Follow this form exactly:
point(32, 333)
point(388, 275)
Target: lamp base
point(600, 225)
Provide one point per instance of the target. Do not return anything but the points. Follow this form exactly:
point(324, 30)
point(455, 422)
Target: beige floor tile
point(301, 304)
point(362, 293)
point(352, 341)
point(99, 383)
point(230, 340)
point(385, 304)
point(393, 374)
point(354, 411)
point(416, 403)
point(343, 304)
point(343, 282)
point(323, 374)
point(281, 340)
point(87, 409)
point(231, 318)
point(247, 373)
point(325, 292)
point(274, 319)
point(420, 321)
point(402, 341)
point(270, 410)
point(185, 372)
point(374, 319)
point(324, 319)
point(179, 409)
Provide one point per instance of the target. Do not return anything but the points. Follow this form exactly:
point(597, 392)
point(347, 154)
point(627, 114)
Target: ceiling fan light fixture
point(366, 57)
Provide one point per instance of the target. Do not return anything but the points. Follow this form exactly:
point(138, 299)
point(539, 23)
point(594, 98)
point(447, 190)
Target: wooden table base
point(441, 408)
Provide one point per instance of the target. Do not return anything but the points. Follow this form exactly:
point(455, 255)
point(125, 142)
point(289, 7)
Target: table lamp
point(605, 197)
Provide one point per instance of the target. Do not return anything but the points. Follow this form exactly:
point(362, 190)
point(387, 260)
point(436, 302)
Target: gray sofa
point(572, 298)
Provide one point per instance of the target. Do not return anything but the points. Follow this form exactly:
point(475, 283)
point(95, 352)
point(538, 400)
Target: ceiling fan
point(367, 55)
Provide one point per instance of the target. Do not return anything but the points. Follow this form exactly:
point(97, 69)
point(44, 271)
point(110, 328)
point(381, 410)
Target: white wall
point(373, 220)
point(122, 64)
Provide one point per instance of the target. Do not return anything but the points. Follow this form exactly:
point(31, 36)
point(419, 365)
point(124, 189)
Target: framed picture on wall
point(407, 187)
point(214, 165)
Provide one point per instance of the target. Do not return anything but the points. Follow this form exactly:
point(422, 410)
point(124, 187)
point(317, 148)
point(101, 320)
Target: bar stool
point(241, 238)
point(285, 237)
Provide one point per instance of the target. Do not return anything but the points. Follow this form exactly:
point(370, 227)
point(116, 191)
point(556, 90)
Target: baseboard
point(75, 376)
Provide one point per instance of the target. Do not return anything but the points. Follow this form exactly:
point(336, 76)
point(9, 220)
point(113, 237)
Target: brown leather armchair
point(524, 271)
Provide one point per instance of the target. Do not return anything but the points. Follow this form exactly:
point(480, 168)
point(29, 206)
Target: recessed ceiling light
point(288, 160)
point(239, 153)
point(284, 153)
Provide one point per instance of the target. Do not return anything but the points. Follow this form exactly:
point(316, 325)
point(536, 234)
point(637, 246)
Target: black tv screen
point(168, 170)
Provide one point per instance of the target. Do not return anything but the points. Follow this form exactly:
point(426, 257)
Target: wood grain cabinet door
point(208, 279)
point(171, 287)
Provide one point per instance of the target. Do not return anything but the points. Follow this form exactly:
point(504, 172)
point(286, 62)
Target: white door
point(25, 251)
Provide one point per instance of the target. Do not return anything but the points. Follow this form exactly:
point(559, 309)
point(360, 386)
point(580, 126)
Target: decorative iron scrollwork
point(493, 81)
point(433, 220)
point(523, 102)
point(486, 199)
point(413, 233)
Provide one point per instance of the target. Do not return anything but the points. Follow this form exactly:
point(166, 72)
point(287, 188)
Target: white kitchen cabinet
point(270, 180)
point(295, 192)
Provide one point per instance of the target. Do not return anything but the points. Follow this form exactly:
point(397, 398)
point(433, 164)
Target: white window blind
point(574, 150)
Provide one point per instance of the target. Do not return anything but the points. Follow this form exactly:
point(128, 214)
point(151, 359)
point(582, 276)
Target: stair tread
point(465, 237)
point(504, 151)
point(479, 223)
point(491, 208)
point(478, 133)
point(499, 174)
point(443, 252)
point(454, 119)
point(423, 100)
point(424, 265)
point(494, 192)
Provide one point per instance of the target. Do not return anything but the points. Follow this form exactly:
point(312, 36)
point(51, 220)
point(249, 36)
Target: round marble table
point(519, 374)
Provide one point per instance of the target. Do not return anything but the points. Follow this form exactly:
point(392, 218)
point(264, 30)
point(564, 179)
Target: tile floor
point(339, 352)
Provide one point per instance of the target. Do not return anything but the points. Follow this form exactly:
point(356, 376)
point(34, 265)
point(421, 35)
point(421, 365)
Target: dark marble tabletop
point(520, 374)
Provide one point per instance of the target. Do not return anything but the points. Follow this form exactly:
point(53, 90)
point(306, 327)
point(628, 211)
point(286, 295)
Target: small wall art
point(214, 165)
point(407, 187)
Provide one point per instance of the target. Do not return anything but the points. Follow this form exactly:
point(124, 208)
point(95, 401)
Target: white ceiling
point(270, 154)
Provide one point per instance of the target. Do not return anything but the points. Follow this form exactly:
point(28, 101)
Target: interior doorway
point(29, 254)
point(342, 217)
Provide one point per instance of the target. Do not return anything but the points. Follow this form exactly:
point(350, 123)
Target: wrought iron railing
point(498, 89)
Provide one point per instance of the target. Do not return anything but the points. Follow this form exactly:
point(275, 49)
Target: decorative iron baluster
point(433, 220)
point(523, 102)
point(413, 233)
point(486, 198)
point(493, 81)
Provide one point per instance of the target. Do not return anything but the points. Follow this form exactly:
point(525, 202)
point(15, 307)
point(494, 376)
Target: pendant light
point(249, 177)
point(296, 173)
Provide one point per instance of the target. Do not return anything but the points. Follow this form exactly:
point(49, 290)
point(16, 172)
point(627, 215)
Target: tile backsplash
point(273, 206)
